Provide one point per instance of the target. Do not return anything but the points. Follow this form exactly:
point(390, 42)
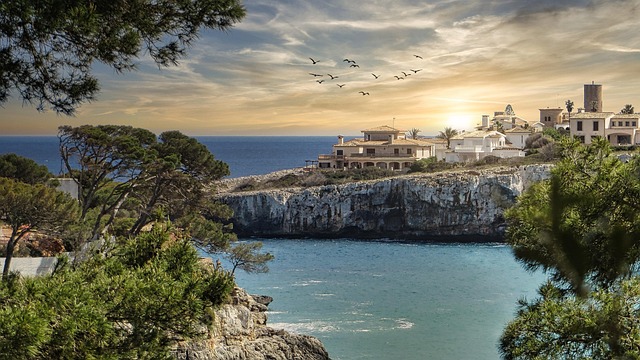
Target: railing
point(476, 149)
point(330, 157)
point(361, 155)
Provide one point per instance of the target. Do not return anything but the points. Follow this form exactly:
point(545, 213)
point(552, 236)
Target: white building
point(476, 145)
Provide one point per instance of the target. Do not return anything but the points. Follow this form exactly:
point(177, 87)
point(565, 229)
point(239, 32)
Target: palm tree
point(447, 134)
point(413, 133)
point(628, 109)
point(569, 105)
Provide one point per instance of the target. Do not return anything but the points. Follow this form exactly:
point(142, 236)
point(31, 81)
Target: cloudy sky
point(473, 58)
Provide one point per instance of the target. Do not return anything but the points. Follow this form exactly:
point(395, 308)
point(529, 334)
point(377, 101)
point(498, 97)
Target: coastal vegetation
point(132, 300)
point(136, 284)
point(581, 227)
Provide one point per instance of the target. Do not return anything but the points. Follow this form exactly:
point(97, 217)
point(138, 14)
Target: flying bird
point(347, 60)
point(355, 65)
point(398, 77)
point(341, 85)
point(418, 56)
point(314, 61)
point(332, 77)
point(375, 76)
point(415, 71)
point(315, 74)
point(319, 81)
point(405, 74)
point(363, 93)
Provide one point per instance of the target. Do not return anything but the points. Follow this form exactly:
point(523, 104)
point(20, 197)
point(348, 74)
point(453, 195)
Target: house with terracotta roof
point(384, 147)
point(475, 145)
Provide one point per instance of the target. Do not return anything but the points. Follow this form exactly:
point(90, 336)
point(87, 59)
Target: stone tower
point(592, 97)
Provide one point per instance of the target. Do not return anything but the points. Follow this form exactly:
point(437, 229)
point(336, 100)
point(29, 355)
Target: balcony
point(472, 149)
point(361, 155)
point(330, 157)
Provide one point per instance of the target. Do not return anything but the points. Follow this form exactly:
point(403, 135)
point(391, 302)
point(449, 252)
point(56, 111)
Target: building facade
point(478, 144)
point(384, 147)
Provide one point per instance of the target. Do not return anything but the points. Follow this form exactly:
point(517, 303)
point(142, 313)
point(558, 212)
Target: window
point(633, 123)
point(396, 151)
point(581, 139)
point(619, 123)
point(409, 151)
point(579, 125)
point(339, 152)
point(626, 123)
point(371, 151)
point(595, 125)
point(613, 124)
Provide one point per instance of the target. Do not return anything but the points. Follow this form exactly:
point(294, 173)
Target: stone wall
point(468, 204)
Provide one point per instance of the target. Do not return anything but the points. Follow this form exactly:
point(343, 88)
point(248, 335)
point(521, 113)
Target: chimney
point(391, 139)
point(340, 139)
point(485, 121)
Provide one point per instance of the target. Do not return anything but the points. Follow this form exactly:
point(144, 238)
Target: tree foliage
point(413, 133)
point(26, 208)
point(125, 168)
point(132, 302)
point(582, 227)
point(247, 256)
point(447, 134)
point(23, 169)
point(48, 47)
point(627, 109)
point(569, 106)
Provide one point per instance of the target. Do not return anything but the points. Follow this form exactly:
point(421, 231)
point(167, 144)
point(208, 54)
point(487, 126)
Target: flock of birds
point(352, 64)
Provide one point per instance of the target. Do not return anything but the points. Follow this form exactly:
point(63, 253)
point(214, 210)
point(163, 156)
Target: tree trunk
point(11, 245)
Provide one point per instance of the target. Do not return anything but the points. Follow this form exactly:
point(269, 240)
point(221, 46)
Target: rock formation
point(468, 204)
point(239, 332)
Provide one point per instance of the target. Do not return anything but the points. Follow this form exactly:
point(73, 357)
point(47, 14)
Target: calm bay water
point(393, 300)
point(364, 299)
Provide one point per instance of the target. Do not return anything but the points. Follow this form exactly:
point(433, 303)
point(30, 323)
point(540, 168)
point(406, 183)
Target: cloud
point(477, 56)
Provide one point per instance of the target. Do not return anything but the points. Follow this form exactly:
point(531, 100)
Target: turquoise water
point(391, 300)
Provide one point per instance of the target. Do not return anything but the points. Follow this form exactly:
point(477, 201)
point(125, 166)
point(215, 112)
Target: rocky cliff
point(467, 203)
point(239, 332)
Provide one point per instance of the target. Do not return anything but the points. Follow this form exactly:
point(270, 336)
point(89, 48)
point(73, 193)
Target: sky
point(462, 58)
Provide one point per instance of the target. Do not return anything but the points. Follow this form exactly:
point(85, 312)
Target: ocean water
point(246, 155)
point(393, 300)
point(364, 299)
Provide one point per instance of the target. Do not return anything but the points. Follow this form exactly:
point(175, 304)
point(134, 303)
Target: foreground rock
point(468, 204)
point(240, 333)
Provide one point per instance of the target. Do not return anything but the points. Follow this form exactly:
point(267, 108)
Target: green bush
point(132, 302)
point(429, 165)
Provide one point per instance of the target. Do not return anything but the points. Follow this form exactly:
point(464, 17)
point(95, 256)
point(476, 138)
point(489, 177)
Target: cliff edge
point(239, 332)
point(468, 204)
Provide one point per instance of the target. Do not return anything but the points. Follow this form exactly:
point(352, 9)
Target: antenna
point(394, 122)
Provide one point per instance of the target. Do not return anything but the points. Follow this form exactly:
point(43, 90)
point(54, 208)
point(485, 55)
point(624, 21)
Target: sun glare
point(461, 121)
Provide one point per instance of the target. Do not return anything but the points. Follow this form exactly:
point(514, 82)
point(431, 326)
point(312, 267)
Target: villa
point(591, 121)
point(384, 147)
point(478, 144)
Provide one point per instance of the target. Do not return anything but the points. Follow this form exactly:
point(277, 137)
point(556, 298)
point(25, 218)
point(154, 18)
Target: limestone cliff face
point(464, 203)
point(239, 332)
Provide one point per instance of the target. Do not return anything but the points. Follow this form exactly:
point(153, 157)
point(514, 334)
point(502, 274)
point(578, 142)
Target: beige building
point(618, 129)
point(384, 147)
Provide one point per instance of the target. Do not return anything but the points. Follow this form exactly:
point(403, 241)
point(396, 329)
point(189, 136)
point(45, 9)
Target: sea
point(373, 300)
